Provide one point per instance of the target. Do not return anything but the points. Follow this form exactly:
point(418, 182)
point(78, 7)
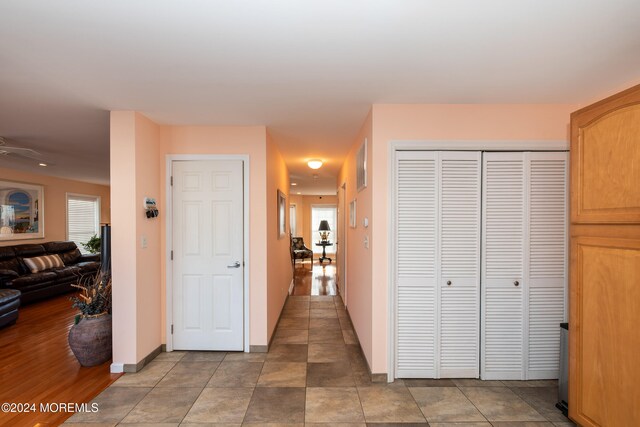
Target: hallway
point(314, 279)
point(313, 374)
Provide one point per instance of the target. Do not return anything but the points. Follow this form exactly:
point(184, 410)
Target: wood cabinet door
point(604, 321)
point(604, 333)
point(605, 157)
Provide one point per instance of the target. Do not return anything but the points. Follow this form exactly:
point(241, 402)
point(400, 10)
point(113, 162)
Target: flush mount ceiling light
point(42, 164)
point(294, 183)
point(314, 163)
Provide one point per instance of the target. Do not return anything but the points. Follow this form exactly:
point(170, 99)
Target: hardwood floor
point(37, 365)
point(314, 279)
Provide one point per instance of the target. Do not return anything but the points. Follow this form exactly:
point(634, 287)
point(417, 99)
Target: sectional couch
point(31, 269)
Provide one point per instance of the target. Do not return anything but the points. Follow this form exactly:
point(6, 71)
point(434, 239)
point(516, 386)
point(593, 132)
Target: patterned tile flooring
point(314, 374)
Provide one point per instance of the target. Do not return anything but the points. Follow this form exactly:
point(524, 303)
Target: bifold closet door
point(438, 258)
point(524, 261)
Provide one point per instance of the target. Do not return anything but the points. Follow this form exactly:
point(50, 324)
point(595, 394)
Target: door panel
point(459, 210)
point(207, 245)
point(503, 266)
point(604, 370)
point(607, 190)
point(416, 272)
point(547, 261)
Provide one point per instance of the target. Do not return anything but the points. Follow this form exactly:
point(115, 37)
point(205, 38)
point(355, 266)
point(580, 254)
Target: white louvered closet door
point(524, 264)
point(503, 242)
point(547, 261)
point(459, 284)
point(416, 272)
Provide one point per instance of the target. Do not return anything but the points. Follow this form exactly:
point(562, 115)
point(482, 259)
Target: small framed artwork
point(361, 167)
point(282, 214)
point(21, 211)
point(353, 222)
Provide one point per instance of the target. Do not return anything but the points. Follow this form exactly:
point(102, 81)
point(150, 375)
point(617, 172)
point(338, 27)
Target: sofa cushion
point(59, 247)
point(12, 264)
point(6, 253)
point(88, 266)
point(44, 277)
point(70, 257)
point(67, 272)
point(42, 263)
point(29, 251)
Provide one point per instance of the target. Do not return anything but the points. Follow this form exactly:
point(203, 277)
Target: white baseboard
point(291, 287)
point(117, 368)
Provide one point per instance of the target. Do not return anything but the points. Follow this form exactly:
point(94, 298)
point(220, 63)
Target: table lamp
point(324, 230)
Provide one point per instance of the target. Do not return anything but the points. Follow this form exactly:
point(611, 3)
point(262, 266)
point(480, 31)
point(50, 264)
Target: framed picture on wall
point(21, 211)
point(353, 222)
point(282, 214)
point(361, 167)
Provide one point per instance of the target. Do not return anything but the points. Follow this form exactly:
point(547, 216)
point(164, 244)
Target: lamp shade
point(324, 226)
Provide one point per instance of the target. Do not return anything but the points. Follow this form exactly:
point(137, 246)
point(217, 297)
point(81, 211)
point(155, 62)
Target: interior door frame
point(341, 248)
point(434, 145)
point(170, 158)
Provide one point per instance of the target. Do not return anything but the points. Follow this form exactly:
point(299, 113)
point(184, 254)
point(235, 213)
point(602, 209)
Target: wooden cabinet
point(604, 323)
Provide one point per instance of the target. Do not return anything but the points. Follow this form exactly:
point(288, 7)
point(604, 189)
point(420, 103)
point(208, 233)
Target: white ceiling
point(309, 70)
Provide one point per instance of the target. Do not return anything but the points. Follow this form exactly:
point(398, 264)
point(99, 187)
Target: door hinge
point(171, 255)
point(171, 329)
point(172, 180)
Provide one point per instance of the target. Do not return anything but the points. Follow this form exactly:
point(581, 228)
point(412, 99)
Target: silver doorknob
point(516, 283)
point(449, 282)
point(234, 265)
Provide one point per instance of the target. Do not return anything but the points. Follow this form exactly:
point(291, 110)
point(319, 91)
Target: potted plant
point(93, 244)
point(90, 336)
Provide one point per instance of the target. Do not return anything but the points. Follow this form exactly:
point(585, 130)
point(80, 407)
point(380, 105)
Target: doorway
point(207, 266)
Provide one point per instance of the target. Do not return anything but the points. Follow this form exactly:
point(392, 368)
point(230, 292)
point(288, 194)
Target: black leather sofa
point(14, 273)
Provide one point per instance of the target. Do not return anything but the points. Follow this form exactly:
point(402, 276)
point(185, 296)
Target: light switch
point(366, 242)
point(143, 241)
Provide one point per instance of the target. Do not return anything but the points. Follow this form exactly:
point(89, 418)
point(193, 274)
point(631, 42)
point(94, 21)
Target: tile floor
point(314, 374)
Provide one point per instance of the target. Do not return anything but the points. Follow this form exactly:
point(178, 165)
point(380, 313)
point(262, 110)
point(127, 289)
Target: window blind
point(83, 218)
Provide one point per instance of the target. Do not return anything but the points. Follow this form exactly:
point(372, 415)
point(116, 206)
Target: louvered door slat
point(416, 193)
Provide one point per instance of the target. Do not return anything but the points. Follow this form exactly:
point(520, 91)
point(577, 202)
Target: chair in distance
point(299, 250)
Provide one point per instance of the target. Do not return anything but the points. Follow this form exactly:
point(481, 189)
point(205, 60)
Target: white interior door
point(208, 264)
point(524, 264)
point(438, 264)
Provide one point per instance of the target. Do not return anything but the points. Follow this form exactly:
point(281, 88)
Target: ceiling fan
point(12, 152)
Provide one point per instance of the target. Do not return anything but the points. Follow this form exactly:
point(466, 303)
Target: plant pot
point(90, 340)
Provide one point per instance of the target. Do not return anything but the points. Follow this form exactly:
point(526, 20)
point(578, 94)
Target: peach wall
point(279, 271)
point(359, 259)
point(438, 122)
point(249, 140)
point(148, 283)
point(124, 237)
point(55, 202)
